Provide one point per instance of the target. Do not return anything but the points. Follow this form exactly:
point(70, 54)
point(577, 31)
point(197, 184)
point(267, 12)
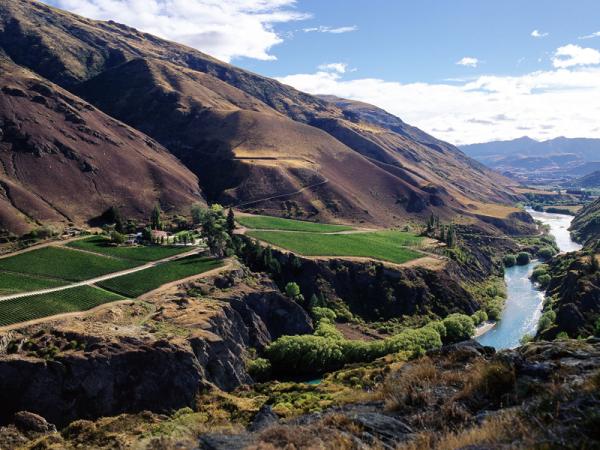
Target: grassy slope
point(99, 244)
point(13, 283)
point(384, 245)
point(138, 283)
point(64, 264)
point(38, 306)
point(276, 223)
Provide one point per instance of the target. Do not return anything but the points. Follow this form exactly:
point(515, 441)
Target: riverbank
point(524, 302)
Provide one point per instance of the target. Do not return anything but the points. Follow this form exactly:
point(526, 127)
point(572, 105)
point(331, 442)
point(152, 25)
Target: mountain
point(591, 180)
point(252, 141)
point(552, 159)
point(62, 160)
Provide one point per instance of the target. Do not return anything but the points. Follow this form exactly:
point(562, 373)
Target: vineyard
point(102, 245)
point(63, 263)
point(13, 283)
point(38, 306)
point(138, 283)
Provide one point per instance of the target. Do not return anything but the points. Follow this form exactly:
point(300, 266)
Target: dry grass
point(499, 432)
point(411, 387)
point(489, 382)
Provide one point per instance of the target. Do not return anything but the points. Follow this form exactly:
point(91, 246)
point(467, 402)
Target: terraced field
point(276, 223)
point(394, 246)
point(101, 245)
point(13, 283)
point(63, 263)
point(138, 283)
point(38, 306)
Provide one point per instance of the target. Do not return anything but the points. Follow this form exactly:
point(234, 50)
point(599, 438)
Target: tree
point(117, 237)
point(451, 237)
point(292, 290)
point(523, 258)
point(214, 230)
point(509, 260)
point(197, 214)
point(155, 218)
point(113, 215)
point(459, 327)
point(230, 224)
point(147, 234)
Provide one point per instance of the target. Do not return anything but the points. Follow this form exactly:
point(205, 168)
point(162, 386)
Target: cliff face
point(585, 227)
point(573, 296)
point(157, 355)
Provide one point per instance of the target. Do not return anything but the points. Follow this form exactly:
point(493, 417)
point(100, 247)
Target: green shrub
point(327, 329)
point(319, 312)
point(316, 354)
point(546, 320)
point(438, 326)
point(546, 253)
point(540, 270)
point(509, 260)
point(544, 280)
point(494, 308)
point(479, 317)
point(259, 369)
point(597, 328)
point(562, 336)
point(459, 327)
point(523, 258)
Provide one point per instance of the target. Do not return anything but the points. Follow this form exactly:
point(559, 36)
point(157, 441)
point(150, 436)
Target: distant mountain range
point(526, 159)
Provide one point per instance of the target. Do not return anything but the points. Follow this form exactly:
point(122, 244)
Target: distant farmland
point(394, 246)
point(63, 263)
point(101, 245)
point(276, 223)
point(34, 307)
point(138, 283)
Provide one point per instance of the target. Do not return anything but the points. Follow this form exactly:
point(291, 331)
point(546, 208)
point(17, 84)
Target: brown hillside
point(62, 160)
point(248, 137)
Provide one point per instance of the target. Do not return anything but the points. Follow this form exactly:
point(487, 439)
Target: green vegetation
point(276, 223)
point(491, 293)
point(509, 260)
point(138, 283)
point(523, 258)
point(327, 350)
point(458, 328)
point(102, 245)
point(34, 307)
point(13, 283)
point(63, 263)
point(384, 245)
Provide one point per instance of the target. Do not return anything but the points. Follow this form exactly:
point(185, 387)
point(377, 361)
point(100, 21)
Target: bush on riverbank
point(327, 350)
point(523, 258)
point(509, 260)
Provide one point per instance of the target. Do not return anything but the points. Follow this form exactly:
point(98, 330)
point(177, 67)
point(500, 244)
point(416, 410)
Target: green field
point(138, 283)
point(384, 245)
point(101, 245)
point(63, 263)
point(276, 223)
point(13, 283)
point(38, 306)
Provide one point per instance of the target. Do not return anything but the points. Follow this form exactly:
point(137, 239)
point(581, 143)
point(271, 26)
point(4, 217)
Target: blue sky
point(464, 70)
point(412, 41)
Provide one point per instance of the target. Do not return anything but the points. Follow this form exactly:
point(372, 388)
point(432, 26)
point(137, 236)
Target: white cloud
point(335, 67)
point(590, 36)
point(468, 61)
point(560, 102)
point(538, 34)
point(337, 30)
point(224, 29)
point(574, 55)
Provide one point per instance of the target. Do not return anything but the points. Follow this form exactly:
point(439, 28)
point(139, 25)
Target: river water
point(524, 302)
